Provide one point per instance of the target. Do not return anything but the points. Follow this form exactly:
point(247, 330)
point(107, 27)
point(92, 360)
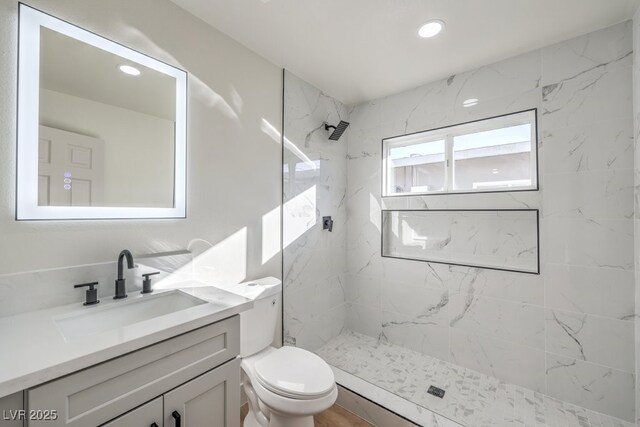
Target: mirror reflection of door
point(71, 169)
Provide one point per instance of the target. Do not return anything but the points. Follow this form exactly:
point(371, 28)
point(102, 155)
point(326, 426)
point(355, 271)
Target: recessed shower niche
point(496, 239)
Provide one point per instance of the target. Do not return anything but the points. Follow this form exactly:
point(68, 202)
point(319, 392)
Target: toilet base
point(278, 420)
point(250, 421)
point(273, 419)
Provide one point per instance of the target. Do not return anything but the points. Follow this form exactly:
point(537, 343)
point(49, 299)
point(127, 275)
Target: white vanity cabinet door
point(211, 400)
point(143, 416)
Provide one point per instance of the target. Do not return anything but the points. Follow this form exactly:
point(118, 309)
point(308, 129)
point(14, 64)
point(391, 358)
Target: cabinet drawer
point(102, 392)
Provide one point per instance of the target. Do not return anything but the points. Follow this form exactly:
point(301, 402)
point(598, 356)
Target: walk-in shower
point(547, 344)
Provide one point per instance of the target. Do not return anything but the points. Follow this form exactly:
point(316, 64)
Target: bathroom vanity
point(192, 377)
point(178, 368)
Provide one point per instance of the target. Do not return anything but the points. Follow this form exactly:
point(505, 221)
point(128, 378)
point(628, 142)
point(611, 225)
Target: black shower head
point(337, 130)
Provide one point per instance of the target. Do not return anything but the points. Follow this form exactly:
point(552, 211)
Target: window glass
point(498, 158)
point(418, 168)
point(495, 154)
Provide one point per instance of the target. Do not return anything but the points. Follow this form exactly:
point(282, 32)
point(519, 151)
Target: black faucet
point(121, 291)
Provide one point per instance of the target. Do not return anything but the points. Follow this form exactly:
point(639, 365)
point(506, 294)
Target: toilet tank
point(258, 324)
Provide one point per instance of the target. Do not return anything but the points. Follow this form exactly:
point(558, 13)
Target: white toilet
point(285, 386)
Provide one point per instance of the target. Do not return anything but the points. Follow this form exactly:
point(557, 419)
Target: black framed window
point(494, 154)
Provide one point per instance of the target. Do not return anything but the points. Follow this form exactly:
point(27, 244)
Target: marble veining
point(315, 185)
point(636, 165)
point(551, 334)
point(472, 399)
point(508, 325)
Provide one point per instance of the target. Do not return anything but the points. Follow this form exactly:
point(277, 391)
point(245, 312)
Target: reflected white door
point(70, 169)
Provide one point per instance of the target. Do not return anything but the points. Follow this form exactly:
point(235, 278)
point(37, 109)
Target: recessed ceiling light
point(431, 28)
point(128, 69)
point(470, 102)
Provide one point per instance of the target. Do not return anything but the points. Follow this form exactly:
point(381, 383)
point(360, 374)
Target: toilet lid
point(294, 372)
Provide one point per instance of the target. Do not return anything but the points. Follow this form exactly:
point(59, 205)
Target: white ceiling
point(357, 50)
point(75, 68)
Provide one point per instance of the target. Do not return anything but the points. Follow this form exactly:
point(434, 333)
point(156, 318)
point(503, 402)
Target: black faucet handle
point(146, 283)
point(146, 275)
point(91, 293)
point(90, 285)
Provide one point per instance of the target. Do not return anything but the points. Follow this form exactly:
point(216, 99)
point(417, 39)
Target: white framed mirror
point(101, 127)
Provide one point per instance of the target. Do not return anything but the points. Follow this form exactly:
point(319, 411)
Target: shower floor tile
point(471, 398)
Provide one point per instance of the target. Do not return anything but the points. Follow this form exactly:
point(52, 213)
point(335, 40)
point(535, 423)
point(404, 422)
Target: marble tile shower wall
point(636, 123)
point(315, 185)
point(568, 332)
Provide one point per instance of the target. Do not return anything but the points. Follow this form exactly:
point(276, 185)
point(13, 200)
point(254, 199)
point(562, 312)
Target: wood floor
point(336, 416)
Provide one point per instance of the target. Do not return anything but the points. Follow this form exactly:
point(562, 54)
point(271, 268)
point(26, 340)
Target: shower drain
point(438, 392)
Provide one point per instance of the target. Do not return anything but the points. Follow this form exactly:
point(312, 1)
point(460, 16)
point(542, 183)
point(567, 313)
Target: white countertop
point(34, 350)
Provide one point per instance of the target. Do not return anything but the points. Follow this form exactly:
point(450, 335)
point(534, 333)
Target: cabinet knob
point(153, 425)
point(176, 418)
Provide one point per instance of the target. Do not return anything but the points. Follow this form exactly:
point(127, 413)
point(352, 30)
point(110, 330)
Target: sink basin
point(94, 320)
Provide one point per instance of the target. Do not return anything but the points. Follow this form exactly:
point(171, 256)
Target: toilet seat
point(295, 373)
